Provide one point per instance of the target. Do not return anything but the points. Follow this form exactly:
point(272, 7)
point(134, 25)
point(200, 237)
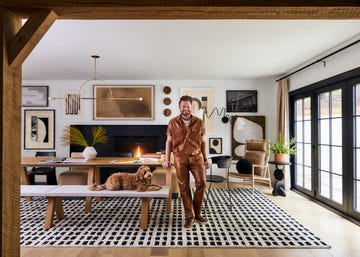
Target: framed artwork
point(202, 97)
point(215, 145)
point(34, 96)
point(241, 101)
point(39, 129)
point(242, 129)
point(72, 104)
point(123, 102)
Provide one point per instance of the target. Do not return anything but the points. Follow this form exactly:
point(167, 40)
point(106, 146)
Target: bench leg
point(59, 210)
point(168, 205)
point(145, 209)
point(88, 202)
point(54, 206)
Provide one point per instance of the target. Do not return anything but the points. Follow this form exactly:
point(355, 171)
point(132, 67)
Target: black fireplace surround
point(124, 141)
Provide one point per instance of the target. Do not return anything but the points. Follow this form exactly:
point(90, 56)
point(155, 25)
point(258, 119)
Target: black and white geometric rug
point(253, 221)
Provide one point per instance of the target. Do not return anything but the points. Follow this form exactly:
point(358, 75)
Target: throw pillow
point(244, 166)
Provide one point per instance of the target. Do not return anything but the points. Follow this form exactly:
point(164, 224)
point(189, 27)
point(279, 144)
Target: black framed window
point(325, 119)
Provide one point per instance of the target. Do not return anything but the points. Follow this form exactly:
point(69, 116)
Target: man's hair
point(185, 98)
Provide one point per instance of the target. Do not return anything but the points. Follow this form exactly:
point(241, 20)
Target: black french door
point(325, 120)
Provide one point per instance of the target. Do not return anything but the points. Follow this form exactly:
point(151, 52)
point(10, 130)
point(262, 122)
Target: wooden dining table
point(93, 166)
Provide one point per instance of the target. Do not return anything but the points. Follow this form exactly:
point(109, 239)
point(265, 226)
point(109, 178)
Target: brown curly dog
point(139, 181)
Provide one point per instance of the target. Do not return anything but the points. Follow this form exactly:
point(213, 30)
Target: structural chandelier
point(95, 80)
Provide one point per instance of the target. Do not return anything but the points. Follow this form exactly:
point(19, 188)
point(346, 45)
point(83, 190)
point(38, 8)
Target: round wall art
point(167, 90)
point(167, 112)
point(167, 101)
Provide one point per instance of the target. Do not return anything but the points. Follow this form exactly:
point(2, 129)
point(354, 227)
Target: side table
point(279, 174)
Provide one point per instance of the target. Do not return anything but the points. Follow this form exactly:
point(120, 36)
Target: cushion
point(244, 166)
point(257, 158)
point(256, 146)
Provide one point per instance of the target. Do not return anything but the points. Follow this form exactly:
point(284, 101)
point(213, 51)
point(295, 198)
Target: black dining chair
point(222, 162)
point(49, 172)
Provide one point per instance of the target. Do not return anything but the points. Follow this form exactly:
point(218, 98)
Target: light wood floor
point(341, 234)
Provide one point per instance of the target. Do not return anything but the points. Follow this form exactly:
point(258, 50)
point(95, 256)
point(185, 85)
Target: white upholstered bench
point(55, 193)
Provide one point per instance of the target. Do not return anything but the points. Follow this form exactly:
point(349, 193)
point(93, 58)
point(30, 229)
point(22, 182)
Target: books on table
point(64, 159)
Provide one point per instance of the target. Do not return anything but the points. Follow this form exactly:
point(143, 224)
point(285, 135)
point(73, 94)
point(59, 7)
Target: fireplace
point(135, 145)
point(126, 140)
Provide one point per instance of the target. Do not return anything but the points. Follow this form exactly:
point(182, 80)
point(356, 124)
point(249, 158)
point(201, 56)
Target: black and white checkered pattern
point(253, 221)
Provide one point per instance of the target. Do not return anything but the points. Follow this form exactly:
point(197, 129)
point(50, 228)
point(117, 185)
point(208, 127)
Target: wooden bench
point(55, 193)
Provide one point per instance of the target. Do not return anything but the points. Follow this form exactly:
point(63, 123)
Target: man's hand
point(207, 164)
point(166, 164)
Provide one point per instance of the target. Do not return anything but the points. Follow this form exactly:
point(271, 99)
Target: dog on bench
point(139, 181)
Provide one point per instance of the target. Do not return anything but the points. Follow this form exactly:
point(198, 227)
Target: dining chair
point(49, 172)
point(75, 175)
point(221, 162)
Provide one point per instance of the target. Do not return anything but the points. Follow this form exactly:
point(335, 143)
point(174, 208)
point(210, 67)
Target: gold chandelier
point(74, 99)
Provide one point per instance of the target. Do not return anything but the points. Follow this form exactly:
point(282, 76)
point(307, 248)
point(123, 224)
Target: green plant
point(284, 146)
point(73, 136)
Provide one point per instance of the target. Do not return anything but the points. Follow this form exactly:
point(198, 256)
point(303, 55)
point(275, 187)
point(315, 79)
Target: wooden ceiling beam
point(191, 9)
point(209, 13)
point(28, 36)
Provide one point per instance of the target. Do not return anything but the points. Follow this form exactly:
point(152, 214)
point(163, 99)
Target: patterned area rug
point(253, 221)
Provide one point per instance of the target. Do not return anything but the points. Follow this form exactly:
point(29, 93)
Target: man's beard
point(185, 114)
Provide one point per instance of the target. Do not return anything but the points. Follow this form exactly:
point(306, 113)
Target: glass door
point(302, 134)
point(330, 146)
point(325, 120)
point(355, 178)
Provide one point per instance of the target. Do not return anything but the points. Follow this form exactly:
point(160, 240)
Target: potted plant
point(283, 148)
point(73, 136)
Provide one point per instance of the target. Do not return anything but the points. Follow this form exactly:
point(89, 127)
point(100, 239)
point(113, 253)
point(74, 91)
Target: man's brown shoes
point(189, 221)
point(201, 219)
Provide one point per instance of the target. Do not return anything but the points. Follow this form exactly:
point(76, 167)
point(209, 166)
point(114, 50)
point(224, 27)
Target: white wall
point(343, 61)
point(266, 105)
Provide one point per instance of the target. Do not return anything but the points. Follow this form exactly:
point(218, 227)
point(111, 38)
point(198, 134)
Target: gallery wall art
point(241, 101)
point(34, 96)
point(39, 129)
point(244, 128)
point(124, 102)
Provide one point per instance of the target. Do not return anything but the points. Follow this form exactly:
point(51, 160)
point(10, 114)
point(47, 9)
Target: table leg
point(91, 180)
point(97, 180)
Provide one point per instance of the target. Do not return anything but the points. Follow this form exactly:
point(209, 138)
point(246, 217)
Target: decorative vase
point(281, 157)
point(89, 153)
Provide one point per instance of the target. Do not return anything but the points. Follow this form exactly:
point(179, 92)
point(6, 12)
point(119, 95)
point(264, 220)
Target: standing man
point(186, 139)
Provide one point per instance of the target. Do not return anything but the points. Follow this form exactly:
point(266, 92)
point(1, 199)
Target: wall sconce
point(72, 100)
point(222, 112)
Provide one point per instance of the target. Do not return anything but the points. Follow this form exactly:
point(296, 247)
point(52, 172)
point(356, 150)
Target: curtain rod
point(319, 60)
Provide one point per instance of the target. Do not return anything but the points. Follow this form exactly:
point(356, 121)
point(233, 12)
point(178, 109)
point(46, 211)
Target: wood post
point(10, 113)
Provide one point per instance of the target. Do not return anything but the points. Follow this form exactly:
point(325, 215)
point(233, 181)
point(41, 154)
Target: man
point(186, 139)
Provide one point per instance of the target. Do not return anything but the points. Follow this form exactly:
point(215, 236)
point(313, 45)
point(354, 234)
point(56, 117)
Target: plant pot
point(89, 153)
point(281, 157)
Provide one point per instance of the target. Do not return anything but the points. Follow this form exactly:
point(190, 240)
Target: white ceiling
point(182, 49)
